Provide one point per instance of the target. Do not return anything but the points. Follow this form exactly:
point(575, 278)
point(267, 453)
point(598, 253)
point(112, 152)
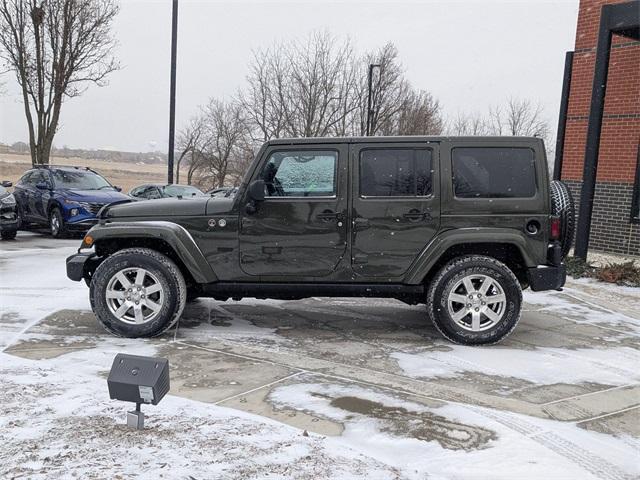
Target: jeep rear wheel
point(138, 292)
point(475, 300)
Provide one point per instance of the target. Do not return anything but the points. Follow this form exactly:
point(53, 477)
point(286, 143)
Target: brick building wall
point(612, 227)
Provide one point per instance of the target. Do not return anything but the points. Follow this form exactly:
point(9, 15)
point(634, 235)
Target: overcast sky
point(468, 54)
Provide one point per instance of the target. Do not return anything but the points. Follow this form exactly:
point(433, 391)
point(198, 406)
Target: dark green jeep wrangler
point(459, 224)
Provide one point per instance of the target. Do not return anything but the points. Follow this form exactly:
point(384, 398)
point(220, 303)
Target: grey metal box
point(138, 379)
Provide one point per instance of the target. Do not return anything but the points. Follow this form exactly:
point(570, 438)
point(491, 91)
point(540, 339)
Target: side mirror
point(256, 191)
point(117, 189)
point(42, 186)
point(7, 184)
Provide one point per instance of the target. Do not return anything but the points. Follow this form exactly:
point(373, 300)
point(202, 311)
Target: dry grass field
point(123, 174)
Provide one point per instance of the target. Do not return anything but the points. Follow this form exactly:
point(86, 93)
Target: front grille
point(92, 207)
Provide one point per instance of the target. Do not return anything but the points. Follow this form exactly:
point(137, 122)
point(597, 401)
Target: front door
point(300, 228)
point(396, 206)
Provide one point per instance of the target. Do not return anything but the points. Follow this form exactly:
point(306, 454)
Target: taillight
point(554, 228)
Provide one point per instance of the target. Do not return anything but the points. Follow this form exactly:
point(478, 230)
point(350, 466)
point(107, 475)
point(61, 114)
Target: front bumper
point(81, 266)
point(8, 221)
point(82, 225)
point(547, 277)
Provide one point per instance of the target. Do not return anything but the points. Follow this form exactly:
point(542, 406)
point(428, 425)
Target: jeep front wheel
point(475, 300)
point(137, 292)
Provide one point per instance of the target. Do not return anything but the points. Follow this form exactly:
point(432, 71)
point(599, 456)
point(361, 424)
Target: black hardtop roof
point(401, 139)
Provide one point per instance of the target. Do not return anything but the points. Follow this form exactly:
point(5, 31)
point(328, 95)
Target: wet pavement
point(329, 366)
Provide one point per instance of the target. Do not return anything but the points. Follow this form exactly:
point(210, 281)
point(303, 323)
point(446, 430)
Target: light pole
point(172, 91)
point(369, 111)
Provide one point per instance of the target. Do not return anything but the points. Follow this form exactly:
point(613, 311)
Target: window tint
point(395, 172)
point(27, 178)
point(39, 176)
point(493, 172)
point(182, 190)
point(300, 174)
point(79, 180)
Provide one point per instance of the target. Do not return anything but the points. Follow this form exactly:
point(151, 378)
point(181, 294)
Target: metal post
point(172, 92)
point(562, 119)
point(593, 135)
point(369, 111)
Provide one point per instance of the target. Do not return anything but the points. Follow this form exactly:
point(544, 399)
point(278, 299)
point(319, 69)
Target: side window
point(27, 179)
point(396, 172)
point(136, 192)
point(302, 173)
point(492, 172)
point(150, 192)
point(38, 177)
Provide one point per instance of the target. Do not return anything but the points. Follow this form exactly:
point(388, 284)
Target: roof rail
point(63, 166)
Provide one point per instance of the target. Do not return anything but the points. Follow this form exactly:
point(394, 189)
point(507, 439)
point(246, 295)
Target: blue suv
point(64, 198)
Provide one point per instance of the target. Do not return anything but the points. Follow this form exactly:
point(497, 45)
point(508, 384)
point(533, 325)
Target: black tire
point(563, 206)
point(57, 227)
point(163, 270)
point(447, 280)
point(8, 234)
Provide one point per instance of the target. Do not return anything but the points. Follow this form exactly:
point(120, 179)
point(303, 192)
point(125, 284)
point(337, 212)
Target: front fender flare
point(176, 236)
point(450, 238)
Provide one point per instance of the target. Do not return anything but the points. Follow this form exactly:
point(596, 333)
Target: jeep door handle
point(361, 224)
point(329, 215)
point(416, 215)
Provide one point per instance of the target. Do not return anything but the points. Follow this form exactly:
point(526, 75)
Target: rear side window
point(489, 172)
point(395, 172)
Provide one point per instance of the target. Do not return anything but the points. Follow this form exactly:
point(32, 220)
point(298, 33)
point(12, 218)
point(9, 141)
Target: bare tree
point(419, 115)
point(469, 124)
point(389, 90)
point(225, 131)
point(517, 117)
point(190, 143)
point(56, 48)
point(302, 89)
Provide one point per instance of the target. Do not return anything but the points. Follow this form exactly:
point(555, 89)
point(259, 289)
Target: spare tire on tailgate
point(562, 206)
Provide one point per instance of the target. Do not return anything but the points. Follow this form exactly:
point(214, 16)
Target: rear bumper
point(81, 265)
point(547, 277)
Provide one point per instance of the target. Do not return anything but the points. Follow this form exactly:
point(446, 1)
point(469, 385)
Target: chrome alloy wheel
point(477, 302)
point(134, 295)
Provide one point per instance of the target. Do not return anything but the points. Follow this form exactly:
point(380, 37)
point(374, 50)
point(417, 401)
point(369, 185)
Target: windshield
point(79, 180)
point(182, 190)
point(2, 191)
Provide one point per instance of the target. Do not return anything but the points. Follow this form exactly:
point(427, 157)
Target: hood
point(165, 207)
point(98, 196)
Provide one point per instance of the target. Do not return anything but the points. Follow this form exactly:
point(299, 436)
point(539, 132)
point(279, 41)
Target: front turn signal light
point(87, 240)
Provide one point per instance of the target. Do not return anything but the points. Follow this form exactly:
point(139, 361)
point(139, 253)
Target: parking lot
point(318, 388)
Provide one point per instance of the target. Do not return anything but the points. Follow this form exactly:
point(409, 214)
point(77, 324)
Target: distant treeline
point(108, 155)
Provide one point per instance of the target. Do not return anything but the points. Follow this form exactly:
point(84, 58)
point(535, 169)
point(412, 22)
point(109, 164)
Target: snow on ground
point(459, 451)
point(542, 366)
point(56, 421)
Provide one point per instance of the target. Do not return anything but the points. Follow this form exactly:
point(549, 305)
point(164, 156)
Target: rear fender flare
point(464, 236)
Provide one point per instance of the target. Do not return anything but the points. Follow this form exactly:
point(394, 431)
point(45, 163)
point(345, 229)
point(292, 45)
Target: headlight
point(8, 200)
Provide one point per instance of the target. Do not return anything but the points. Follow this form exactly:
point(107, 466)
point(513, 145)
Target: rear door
point(396, 206)
point(300, 229)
